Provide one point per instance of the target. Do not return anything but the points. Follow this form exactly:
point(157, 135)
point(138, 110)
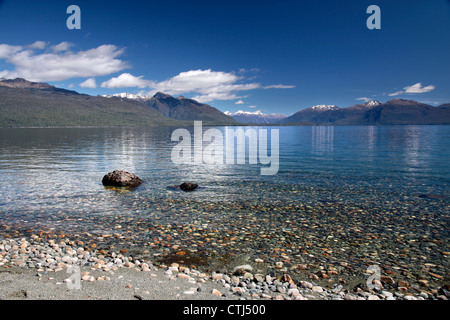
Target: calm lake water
point(330, 180)
point(44, 170)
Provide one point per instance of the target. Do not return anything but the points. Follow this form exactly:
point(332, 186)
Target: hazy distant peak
point(257, 112)
point(403, 102)
point(255, 116)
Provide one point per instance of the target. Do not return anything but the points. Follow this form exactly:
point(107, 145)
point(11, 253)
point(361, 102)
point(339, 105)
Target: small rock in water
point(432, 196)
point(188, 186)
point(424, 283)
point(387, 280)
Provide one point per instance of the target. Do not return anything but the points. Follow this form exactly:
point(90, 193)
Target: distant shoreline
point(227, 125)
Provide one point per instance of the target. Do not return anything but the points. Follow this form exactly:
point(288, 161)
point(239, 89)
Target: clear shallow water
point(60, 170)
point(335, 186)
point(49, 169)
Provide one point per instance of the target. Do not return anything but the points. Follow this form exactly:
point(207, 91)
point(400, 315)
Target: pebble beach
point(35, 268)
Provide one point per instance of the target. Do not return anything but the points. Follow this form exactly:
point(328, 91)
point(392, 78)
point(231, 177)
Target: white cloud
point(252, 70)
point(239, 102)
point(395, 93)
point(63, 46)
point(365, 99)
point(415, 88)
point(38, 45)
point(201, 81)
point(279, 86)
point(208, 85)
point(252, 107)
point(58, 66)
point(204, 98)
point(89, 83)
point(126, 80)
point(6, 50)
point(60, 63)
point(224, 91)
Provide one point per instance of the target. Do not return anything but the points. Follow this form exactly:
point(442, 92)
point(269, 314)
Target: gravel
point(49, 269)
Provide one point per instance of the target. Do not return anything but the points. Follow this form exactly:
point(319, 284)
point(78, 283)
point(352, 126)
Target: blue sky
point(273, 56)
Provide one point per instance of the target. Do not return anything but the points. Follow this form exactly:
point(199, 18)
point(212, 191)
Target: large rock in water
point(120, 178)
point(188, 186)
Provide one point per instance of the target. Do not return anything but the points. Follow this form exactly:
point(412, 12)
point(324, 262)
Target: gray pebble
point(281, 289)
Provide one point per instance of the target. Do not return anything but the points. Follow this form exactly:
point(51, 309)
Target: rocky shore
point(104, 276)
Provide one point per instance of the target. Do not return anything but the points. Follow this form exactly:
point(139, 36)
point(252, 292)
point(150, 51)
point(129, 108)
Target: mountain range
point(395, 111)
point(32, 104)
point(179, 108)
point(256, 117)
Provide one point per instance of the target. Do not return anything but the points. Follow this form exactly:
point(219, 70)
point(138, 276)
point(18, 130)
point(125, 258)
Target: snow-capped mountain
point(126, 95)
point(255, 117)
point(395, 111)
point(366, 106)
point(372, 103)
point(240, 112)
point(323, 107)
